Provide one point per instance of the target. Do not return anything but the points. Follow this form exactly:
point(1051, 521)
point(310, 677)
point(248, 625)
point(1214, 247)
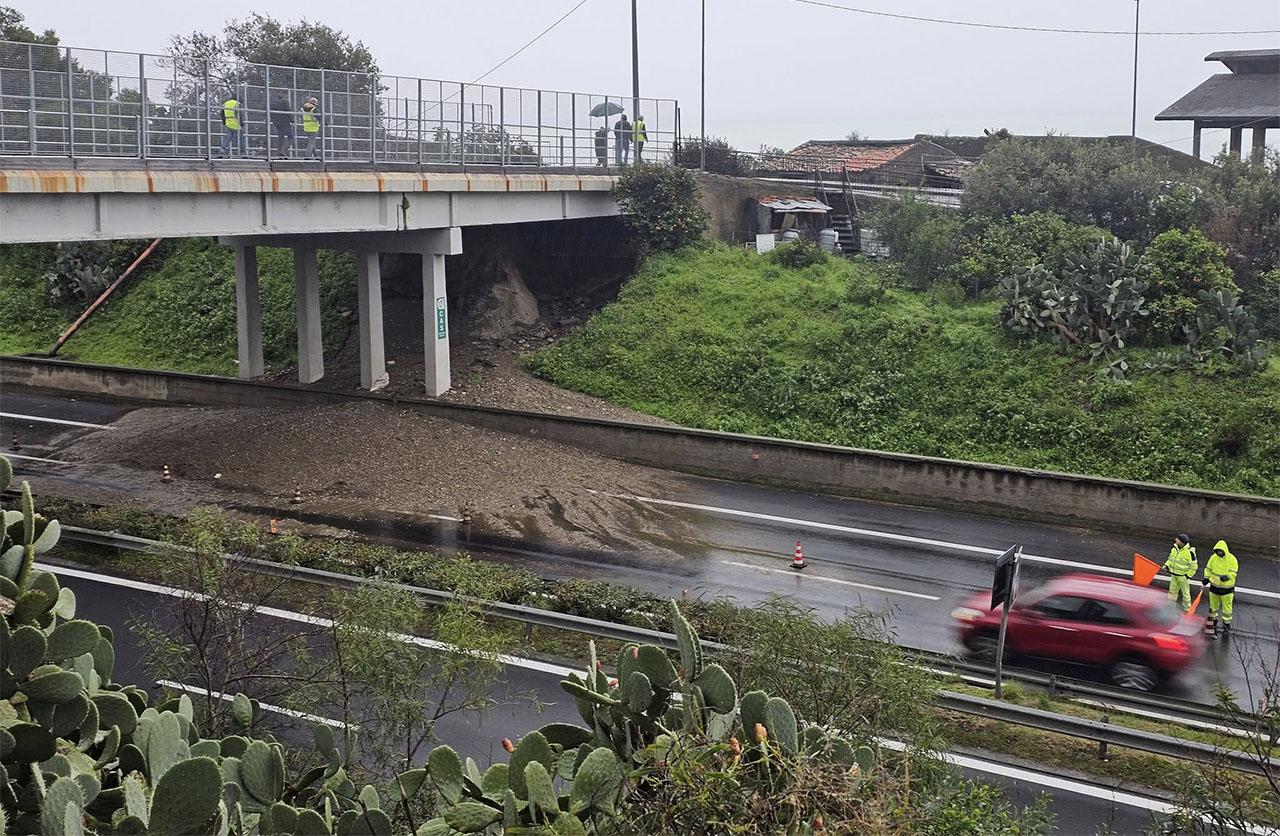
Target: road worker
point(1220, 572)
point(232, 137)
point(311, 124)
point(1181, 566)
point(641, 136)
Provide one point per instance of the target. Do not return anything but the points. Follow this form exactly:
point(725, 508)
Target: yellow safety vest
point(231, 114)
point(641, 136)
point(310, 124)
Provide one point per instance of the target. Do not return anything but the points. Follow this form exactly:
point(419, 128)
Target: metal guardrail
point(1103, 733)
point(70, 102)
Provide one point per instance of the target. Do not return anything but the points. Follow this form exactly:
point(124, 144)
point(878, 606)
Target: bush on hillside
point(722, 158)
point(660, 205)
point(1178, 266)
point(1263, 301)
point(81, 270)
point(993, 251)
point(920, 236)
point(798, 254)
point(1086, 183)
point(1239, 207)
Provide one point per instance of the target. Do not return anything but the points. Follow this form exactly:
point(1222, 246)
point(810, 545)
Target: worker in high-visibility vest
point(641, 136)
point(1181, 566)
point(1220, 572)
point(311, 124)
point(232, 136)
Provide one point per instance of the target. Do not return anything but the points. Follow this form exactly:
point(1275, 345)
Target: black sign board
point(1002, 585)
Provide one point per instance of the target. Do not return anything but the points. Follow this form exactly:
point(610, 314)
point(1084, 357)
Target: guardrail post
point(267, 101)
point(325, 117)
point(71, 109)
point(373, 120)
point(1102, 744)
point(573, 128)
point(142, 106)
point(462, 128)
point(419, 123)
point(208, 115)
point(539, 129)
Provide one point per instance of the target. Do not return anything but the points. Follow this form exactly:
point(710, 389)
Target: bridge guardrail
point(59, 101)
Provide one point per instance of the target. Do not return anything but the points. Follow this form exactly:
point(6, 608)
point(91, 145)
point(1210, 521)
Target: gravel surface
point(360, 459)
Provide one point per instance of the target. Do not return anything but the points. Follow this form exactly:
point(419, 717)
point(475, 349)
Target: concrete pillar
point(306, 300)
point(373, 360)
point(1259, 144)
point(435, 314)
point(1236, 134)
point(248, 312)
point(1195, 141)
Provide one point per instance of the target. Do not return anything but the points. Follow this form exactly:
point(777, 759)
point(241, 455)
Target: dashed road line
point(825, 579)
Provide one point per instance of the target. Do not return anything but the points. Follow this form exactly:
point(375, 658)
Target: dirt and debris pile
point(358, 456)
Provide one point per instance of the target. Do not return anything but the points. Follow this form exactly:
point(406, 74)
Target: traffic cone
point(14, 445)
point(297, 495)
point(275, 527)
point(797, 562)
point(165, 475)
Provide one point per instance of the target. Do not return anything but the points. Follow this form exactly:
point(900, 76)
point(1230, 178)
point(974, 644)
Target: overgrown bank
point(725, 340)
point(178, 312)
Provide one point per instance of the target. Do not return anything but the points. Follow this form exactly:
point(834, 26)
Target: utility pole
point(702, 97)
point(635, 63)
point(1133, 125)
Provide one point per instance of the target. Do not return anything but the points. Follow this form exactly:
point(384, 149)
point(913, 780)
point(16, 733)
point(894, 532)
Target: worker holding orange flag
point(1181, 566)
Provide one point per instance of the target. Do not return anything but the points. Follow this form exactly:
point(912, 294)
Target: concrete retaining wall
point(1252, 523)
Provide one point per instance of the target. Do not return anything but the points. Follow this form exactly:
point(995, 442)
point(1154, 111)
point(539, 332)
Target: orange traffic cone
point(275, 526)
point(1144, 571)
point(797, 562)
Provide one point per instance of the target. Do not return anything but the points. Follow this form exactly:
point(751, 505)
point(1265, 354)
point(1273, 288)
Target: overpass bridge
point(97, 144)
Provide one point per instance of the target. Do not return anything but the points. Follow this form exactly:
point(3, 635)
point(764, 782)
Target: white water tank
point(828, 239)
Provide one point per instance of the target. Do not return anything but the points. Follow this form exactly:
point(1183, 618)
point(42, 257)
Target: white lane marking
point(42, 420)
point(904, 538)
point(315, 621)
point(32, 458)
point(794, 573)
point(265, 706)
point(443, 517)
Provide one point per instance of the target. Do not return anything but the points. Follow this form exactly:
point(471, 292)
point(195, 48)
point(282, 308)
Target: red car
point(1133, 632)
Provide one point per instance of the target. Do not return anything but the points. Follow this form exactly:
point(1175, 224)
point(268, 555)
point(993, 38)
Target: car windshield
point(1163, 614)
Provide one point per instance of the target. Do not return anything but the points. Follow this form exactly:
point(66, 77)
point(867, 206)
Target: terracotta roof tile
point(833, 156)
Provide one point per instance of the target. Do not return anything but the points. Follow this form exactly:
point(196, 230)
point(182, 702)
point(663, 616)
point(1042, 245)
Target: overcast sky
point(778, 71)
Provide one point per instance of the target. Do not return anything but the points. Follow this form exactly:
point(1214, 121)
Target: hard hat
point(1184, 538)
point(313, 100)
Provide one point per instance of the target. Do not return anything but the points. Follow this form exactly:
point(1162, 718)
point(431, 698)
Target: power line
point(535, 39)
point(1011, 28)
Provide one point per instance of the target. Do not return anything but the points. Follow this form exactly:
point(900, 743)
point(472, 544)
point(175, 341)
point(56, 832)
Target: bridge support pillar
point(435, 313)
point(306, 298)
point(373, 359)
point(248, 312)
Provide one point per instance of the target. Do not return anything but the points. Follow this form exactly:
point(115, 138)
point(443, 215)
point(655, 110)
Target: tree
point(13, 27)
point(1087, 182)
point(990, 251)
point(921, 237)
point(661, 206)
point(722, 158)
point(1179, 265)
point(261, 39)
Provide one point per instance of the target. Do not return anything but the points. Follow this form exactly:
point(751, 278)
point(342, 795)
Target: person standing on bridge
point(1181, 566)
point(282, 120)
point(311, 124)
point(602, 146)
point(640, 135)
point(231, 134)
point(622, 140)
point(1220, 572)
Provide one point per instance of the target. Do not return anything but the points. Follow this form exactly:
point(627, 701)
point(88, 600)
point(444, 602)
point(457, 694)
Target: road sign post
point(1004, 587)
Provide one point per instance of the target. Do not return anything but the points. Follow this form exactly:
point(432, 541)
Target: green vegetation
point(725, 340)
point(176, 312)
point(660, 206)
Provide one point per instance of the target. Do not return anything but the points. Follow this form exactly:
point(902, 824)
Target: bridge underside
point(366, 213)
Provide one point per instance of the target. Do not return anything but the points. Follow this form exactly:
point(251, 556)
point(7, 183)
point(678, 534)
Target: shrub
point(798, 254)
point(1004, 246)
point(722, 158)
point(660, 205)
point(1263, 301)
point(920, 236)
point(83, 269)
point(1177, 266)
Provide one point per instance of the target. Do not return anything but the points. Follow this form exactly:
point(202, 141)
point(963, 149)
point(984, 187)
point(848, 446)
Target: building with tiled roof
point(1246, 97)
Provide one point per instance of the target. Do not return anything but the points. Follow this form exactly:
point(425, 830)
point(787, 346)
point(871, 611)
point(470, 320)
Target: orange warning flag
point(1144, 570)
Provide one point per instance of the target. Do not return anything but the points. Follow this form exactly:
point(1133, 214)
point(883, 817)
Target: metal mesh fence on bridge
point(58, 101)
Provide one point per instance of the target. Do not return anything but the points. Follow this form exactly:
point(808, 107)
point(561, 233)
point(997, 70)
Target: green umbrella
point(606, 109)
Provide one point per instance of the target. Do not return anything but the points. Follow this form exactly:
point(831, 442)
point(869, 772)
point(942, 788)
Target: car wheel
point(1134, 673)
point(982, 646)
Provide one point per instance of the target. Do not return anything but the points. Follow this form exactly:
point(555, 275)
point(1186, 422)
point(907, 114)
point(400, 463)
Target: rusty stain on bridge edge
point(90, 181)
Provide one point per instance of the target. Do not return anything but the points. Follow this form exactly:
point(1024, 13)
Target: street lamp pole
point(635, 63)
point(702, 100)
point(1133, 125)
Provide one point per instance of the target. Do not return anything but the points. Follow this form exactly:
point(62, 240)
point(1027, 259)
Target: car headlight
point(966, 614)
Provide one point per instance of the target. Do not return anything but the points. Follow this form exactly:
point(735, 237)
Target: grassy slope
point(178, 314)
point(725, 340)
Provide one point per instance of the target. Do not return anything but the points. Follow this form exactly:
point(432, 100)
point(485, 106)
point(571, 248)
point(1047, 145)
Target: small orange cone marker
point(797, 562)
point(1144, 571)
